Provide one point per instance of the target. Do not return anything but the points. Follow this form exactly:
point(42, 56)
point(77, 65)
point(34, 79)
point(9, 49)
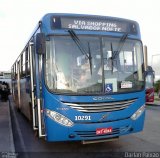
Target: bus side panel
point(25, 97)
point(15, 91)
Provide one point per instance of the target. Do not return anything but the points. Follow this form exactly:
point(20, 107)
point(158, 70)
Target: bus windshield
point(105, 67)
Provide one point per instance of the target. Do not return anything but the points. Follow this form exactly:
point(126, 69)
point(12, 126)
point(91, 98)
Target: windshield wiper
point(121, 44)
point(81, 48)
point(90, 58)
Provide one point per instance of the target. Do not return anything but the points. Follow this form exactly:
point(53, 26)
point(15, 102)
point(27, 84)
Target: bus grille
point(101, 107)
point(92, 134)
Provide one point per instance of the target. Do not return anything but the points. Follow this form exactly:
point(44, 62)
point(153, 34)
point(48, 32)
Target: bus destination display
point(91, 24)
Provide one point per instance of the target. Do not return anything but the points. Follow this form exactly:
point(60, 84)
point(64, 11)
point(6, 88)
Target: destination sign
point(95, 24)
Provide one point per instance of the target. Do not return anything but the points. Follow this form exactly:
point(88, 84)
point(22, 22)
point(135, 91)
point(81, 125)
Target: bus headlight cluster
point(59, 118)
point(138, 113)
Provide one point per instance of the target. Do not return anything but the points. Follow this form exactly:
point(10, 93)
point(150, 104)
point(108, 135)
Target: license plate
point(100, 131)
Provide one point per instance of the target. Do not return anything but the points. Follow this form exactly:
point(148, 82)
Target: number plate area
point(101, 131)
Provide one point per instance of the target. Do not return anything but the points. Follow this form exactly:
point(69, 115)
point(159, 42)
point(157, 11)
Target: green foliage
point(157, 86)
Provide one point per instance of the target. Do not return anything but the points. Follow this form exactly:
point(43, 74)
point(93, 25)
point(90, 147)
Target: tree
point(157, 86)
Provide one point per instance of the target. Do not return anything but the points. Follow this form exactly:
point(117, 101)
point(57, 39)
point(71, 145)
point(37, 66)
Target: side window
point(16, 71)
point(21, 66)
point(23, 59)
point(27, 63)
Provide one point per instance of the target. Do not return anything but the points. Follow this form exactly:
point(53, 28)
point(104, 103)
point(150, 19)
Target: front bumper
point(81, 132)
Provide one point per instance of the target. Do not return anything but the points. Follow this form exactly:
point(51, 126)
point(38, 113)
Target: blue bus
point(81, 78)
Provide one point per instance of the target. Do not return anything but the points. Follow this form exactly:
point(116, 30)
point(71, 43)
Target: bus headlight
point(138, 112)
point(59, 118)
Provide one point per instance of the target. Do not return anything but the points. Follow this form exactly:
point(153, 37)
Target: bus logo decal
point(103, 98)
point(104, 116)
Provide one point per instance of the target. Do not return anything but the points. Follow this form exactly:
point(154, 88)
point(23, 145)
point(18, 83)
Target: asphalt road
point(28, 145)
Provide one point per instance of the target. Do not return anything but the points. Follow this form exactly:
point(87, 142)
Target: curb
point(12, 146)
point(152, 104)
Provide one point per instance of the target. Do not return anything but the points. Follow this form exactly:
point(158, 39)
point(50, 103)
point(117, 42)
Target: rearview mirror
point(40, 43)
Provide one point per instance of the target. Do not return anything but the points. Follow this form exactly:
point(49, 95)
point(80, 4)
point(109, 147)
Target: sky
point(18, 19)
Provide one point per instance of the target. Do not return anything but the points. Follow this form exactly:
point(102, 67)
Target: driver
point(108, 67)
